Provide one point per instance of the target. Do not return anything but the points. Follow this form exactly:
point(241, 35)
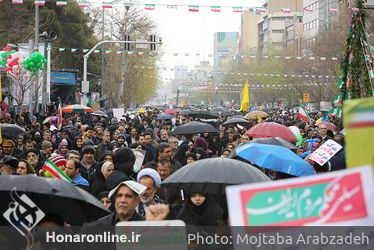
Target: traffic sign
point(306, 97)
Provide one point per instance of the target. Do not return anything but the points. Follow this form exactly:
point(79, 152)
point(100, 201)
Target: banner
point(118, 113)
point(338, 198)
point(358, 120)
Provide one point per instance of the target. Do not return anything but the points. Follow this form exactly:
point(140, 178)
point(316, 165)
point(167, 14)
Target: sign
point(325, 106)
point(358, 120)
point(139, 158)
point(85, 86)
point(325, 152)
point(343, 197)
point(118, 113)
point(306, 97)
point(63, 78)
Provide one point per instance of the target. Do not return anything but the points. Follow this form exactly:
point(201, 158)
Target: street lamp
point(48, 38)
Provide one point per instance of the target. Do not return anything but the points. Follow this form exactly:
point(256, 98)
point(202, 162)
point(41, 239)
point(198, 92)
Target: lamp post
point(48, 38)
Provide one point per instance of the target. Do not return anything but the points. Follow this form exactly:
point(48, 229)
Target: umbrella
point(330, 126)
point(141, 110)
point(274, 157)
point(11, 130)
point(164, 117)
point(202, 114)
point(194, 128)
point(76, 108)
point(275, 141)
point(50, 119)
point(271, 129)
point(170, 112)
point(215, 174)
point(100, 113)
point(75, 205)
point(255, 115)
point(233, 121)
point(236, 116)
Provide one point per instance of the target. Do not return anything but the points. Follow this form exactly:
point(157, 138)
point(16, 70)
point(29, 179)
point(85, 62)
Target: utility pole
point(35, 88)
point(126, 47)
point(102, 54)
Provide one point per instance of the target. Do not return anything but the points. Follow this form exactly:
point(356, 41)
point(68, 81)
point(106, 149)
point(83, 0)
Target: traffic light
point(127, 45)
point(153, 42)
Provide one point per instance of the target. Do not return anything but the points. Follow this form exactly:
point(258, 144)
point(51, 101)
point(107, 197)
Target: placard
point(325, 152)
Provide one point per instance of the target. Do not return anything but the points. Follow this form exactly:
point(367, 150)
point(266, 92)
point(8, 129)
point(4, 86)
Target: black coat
point(97, 183)
point(209, 215)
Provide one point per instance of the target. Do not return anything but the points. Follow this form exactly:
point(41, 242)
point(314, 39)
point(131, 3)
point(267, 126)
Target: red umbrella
point(76, 108)
point(330, 126)
point(170, 112)
point(271, 129)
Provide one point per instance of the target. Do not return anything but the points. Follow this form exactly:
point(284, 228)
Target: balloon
point(34, 62)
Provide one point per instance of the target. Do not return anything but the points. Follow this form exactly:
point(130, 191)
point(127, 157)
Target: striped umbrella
point(76, 108)
point(50, 119)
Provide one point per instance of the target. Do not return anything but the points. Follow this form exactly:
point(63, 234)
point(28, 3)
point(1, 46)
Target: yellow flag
point(245, 98)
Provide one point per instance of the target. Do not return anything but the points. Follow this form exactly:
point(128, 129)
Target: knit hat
point(64, 142)
point(58, 160)
point(151, 173)
point(88, 148)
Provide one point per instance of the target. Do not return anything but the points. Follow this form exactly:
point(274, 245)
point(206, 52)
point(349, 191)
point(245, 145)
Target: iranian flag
point(6, 104)
point(308, 9)
point(193, 8)
point(237, 9)
point(149, 6)
point(50, 167)
point(337, 112)
point(39, 2)
point(17, 1)
point(361, 117)
point(106, 5)
point(337, 99)
point(61, 2)
point(215, 8)
point(260, 10)
point(83, 4)
point(286, 10)
point(303, 115)
point(333, 10)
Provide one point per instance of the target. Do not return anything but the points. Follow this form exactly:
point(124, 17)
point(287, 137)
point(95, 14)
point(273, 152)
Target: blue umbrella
point(274, 157)
point(164, 117)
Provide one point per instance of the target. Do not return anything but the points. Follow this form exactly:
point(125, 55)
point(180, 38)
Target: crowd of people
point(99, 155)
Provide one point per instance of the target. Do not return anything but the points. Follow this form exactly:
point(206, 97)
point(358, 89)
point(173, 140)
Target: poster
point(358, 120)
point(118, 112)
point(325, 152)
point(344, 197)
point(139, 155)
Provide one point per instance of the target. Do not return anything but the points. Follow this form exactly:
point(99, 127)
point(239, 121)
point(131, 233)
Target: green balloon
point(299, 140)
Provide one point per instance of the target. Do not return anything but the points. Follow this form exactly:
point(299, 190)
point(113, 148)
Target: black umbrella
point(202, 114)
point(100, 113)
point(214, 174)
point(11, 130)
point(275, 141)
point(237, 116)
point(233, 121)
point(194, 128)
point(73, 204)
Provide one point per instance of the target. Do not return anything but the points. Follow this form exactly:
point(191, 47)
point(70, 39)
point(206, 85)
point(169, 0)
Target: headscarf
point(105, 166)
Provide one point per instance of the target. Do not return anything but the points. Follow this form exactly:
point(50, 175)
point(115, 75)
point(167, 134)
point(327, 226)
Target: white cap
point(133, 185)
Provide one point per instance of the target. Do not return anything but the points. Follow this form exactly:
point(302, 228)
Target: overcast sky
point(189, 32)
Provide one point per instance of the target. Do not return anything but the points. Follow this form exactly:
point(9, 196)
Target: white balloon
point(294, 130)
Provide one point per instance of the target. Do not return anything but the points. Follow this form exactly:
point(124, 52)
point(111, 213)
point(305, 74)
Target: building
point(294, 35)
point(318, 15)
point(248, 32)
point(272, 25)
